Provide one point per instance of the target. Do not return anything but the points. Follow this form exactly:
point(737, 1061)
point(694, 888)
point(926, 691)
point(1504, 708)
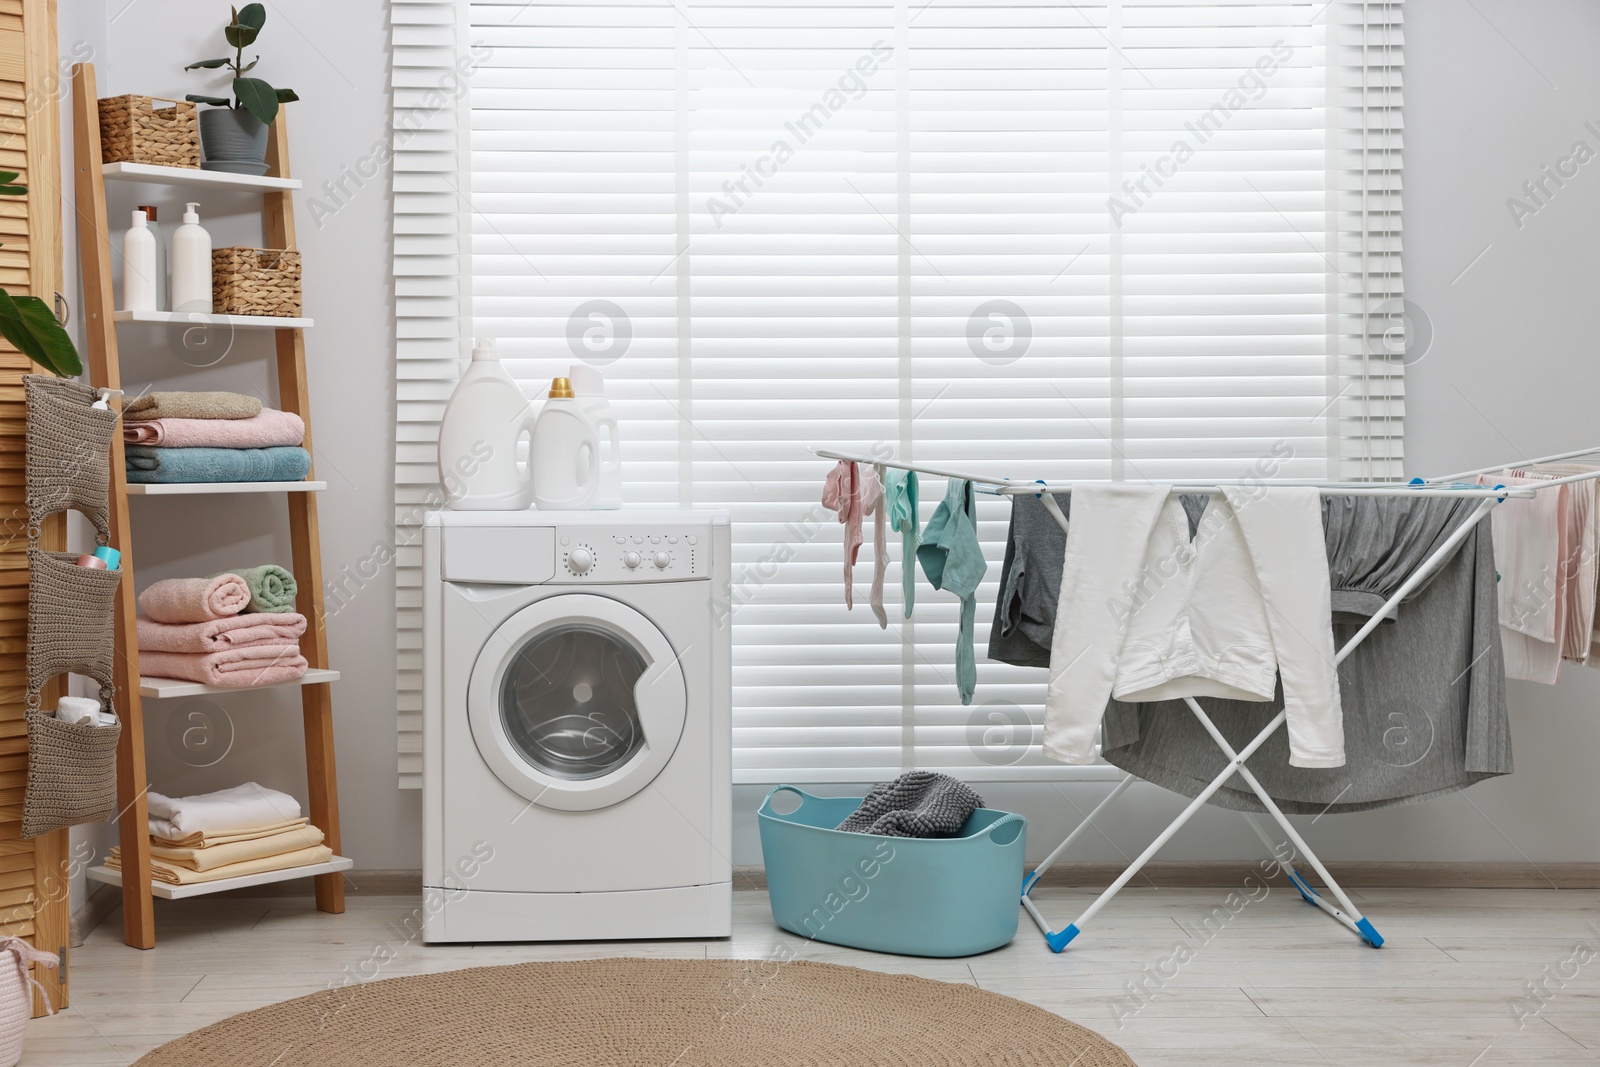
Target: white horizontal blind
point(904, 228)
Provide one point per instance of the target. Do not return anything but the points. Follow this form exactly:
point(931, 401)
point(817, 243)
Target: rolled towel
point(240, 807)
point(232, 668)
point(78, 710)
point(272, 589)
point(269, 429)
point(192, 406)
point(236, 631)
point(184, 466)
point(195, 599)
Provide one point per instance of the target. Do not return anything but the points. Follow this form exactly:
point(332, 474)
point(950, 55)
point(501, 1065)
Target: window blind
point(1096, 240)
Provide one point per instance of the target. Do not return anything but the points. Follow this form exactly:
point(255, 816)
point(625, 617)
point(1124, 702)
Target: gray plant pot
point(234, 140)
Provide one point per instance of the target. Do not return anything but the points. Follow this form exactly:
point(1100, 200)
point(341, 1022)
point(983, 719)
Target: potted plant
point(29, 324)
point(233, 133)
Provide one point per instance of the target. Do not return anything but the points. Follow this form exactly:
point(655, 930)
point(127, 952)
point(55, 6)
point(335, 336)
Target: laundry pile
point(1545, 549)
point(211, 437)
point(248, 829)
point(236, 629)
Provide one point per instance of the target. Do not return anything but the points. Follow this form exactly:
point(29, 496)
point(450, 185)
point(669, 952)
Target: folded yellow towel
point(208, 838)
point(173, 875)
point(211, 856)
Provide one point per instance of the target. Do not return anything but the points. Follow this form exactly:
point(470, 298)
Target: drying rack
point(1341, 908)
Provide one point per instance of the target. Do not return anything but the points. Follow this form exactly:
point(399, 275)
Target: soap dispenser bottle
point(161, 257)
point(565, 454)
point(486, 418)
point(139, 266)
point(191, 264)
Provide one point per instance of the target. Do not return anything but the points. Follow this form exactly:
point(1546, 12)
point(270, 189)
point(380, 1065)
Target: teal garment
point(900, 505)
point(953, 560)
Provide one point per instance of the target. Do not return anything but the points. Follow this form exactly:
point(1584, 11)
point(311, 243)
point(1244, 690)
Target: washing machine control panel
point(632, 554)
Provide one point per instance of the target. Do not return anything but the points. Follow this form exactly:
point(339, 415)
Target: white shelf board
point(167, 688)
point(206, 488)
point(195, 318)
point(146, 172)
point(167, 891)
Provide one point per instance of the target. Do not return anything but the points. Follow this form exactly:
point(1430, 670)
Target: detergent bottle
point(486, 418)
point(565, 454)
point(589, 388)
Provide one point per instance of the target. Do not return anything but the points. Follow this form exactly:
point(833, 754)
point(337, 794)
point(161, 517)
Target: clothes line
point(1521, 464)
point(1016, 487)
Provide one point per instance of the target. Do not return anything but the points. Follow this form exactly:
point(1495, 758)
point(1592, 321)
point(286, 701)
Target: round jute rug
point(649, 1013)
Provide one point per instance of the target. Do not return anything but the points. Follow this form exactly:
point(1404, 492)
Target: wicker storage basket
point(255, 281)
point(134, 130)
point(68, 452)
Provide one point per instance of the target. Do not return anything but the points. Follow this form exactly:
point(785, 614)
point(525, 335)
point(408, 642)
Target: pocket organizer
point(69, 452)
point(72, 773)
point(71, 611)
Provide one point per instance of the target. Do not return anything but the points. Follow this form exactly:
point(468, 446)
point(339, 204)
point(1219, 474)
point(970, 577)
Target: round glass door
point(568, 704)
point(577, 702)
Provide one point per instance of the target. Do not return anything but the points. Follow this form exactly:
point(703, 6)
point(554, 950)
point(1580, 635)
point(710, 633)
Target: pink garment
point(233, 667)
point(1582, 576)
point(873, 501)
point(195, 599)
point(841, 493)
point(269, 429)
point(1530, 550)
point(236, 631)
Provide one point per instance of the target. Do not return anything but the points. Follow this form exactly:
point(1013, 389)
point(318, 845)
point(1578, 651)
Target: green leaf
point(253, 15)
point(286, 95)
point(209, 64)
point(215, 101)
point(29, 324)
point(13, 190)
point(240, 36)
point(9, 176)
point(257, 97)
point(248, 66)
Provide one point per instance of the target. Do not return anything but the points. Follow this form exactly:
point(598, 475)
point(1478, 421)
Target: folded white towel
point(242, 806)
point(78, 709)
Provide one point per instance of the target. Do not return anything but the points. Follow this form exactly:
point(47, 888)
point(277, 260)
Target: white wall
point(1512, 369)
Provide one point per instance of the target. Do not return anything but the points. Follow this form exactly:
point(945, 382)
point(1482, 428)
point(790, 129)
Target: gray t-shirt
point(1423, 696)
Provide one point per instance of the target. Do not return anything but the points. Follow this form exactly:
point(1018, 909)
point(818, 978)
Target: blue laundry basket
point(946, 896)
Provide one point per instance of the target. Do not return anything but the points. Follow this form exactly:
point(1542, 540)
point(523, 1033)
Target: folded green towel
point(185, 465)
point(272, 588)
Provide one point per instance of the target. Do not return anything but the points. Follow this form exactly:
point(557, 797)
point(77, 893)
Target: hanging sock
point(841, 493)
point(872, 501)
point(900, 501)
point(953, 560)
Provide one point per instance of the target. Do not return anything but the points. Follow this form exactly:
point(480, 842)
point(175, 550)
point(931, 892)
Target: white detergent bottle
point(486, 417)
point(589, 388)
point(565, 454)
point(191, 264)
point(139, 266)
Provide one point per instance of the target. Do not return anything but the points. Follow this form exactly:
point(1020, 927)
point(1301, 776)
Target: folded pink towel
point(270, 429)
point(236, 631)
point(195, 599)
point(237, 667)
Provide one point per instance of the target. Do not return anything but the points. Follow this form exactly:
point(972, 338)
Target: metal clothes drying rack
point(1345, 912)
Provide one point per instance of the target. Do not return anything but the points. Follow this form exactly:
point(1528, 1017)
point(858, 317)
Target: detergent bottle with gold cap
point(565, 454)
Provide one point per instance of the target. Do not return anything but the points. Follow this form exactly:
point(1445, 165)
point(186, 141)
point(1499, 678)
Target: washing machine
point(576, 726)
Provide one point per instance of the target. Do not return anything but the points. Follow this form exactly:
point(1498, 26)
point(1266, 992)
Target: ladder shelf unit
point(100, 325)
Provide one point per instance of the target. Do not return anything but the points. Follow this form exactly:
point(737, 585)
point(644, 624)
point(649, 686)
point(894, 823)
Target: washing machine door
point(577, 702)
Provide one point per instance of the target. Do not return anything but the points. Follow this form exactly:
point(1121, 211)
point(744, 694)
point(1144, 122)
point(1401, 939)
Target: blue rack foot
point(1306, 892)
point(1027, 883)
point(1373, 938)
point(1060, 939)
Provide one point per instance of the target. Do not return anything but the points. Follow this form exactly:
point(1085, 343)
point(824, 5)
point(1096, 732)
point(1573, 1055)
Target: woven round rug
point(646, 1012)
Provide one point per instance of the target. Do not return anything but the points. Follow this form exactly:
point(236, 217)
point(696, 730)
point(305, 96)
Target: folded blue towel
point(179, 465)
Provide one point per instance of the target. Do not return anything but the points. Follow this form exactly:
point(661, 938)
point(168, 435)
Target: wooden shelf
point(168, 688)
point(195, 318)
point(167, 891)
point(208, 488)
point(153, 175)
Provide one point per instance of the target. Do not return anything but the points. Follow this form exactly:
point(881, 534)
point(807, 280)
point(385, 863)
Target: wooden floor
point(1275, 983)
